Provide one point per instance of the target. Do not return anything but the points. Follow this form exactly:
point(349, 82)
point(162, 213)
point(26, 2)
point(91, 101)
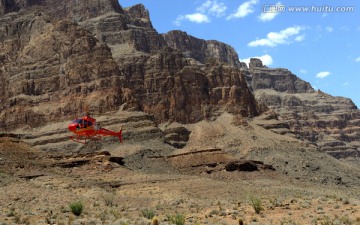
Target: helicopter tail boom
point(120, 135)
point(107, 132)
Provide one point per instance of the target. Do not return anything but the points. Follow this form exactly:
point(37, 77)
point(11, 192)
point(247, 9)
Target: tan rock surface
point(189, 116)
point(304, 187)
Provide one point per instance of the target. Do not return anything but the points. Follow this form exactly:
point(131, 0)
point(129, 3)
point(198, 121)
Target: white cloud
point(329, 29)
point(303, 71)
point(218, 9)
point(300, 38)
point(196, 18)
point(357, 59)
point(323, 74)
point(208, 8)
point(212, 7)
point(346, 84)
point(262, 42)
point(266, 59)
point(178, 20)
point(244, 9)
point(204, 7)
point(268, 16)
point(283, 37)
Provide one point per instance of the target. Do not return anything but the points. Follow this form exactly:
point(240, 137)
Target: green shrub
point(177, 219)
point(148, 213)
point(76, 208)
point(256, 204)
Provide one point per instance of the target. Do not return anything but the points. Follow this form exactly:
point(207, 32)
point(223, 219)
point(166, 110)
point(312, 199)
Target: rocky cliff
point(59, 58)
point(331, 123)
point(201, 50)
point(281, 80)
point(51, 69)
point(78, 10)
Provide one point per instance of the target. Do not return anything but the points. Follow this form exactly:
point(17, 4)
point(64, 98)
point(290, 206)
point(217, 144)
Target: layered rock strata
point(201, 50)
point(331, 123)
point(61, 58)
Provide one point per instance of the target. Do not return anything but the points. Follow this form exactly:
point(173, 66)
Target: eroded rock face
point(176, 136)
point(139, 15)
point(78, 10)
point(169, 87)
point(8, 6)
point(331, 123)
point(281, 80)
point(52, 69)
point(255, 63)
point(127, 34)
point(201, 50)
point(58, 60)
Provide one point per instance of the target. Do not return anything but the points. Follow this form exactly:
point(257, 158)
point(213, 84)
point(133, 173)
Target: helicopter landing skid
point(83, 140)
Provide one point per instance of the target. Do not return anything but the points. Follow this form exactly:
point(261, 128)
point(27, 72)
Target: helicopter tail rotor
point(120, 134)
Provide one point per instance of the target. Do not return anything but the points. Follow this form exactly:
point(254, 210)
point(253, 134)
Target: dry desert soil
point(206, 182)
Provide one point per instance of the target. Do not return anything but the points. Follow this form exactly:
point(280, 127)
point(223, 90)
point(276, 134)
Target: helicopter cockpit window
point(78, 121)
point(82, 122)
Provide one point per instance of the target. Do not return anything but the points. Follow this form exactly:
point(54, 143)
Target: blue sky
point(319, 41)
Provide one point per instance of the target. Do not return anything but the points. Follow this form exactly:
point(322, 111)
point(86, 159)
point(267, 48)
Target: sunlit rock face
point(331, 123)
point(60, 58)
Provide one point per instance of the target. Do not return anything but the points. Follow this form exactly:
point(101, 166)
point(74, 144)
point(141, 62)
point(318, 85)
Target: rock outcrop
point(330, 123)
point(281, 80)
point(8, 6)
point(201, 50)
point(75, 10)
point(255, 63)
point(52, 69)
point(60, 58)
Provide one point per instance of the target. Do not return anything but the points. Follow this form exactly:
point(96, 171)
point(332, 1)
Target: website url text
point(279, 8)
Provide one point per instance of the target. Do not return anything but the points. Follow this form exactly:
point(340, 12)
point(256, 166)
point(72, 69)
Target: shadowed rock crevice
point(247, 166)
point(176, 136)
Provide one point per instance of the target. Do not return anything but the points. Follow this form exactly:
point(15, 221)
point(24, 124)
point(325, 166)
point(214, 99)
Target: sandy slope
point(306, 187)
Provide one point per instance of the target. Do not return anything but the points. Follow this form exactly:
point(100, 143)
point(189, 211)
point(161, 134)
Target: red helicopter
point(85, 128)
